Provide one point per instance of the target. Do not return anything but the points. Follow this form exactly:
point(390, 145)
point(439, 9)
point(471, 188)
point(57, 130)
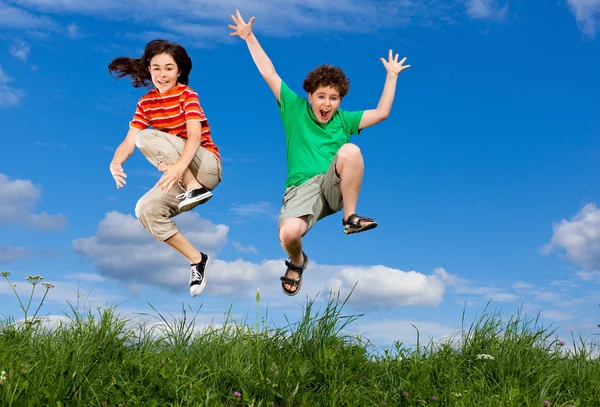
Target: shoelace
point(196, 275)
point(185, 194)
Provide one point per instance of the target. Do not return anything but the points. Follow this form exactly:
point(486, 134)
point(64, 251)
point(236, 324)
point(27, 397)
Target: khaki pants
point(316, 198)
point(155, 209)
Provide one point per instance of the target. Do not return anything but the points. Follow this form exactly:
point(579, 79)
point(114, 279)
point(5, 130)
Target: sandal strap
point(293, 267)
point(293, 281)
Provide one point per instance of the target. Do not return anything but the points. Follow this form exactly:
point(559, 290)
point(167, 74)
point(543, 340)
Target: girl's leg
point(154, 211)
point(202, 176)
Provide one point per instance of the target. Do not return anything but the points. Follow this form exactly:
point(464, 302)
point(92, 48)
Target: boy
point(325, 171)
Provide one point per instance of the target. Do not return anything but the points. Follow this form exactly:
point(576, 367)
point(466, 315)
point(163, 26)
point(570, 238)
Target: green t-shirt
point(311, 145)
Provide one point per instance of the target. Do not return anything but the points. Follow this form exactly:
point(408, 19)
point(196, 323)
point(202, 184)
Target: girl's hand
point(171, 175)
point(118, 174)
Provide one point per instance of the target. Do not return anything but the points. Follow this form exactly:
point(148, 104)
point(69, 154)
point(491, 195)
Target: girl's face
point(164, 72)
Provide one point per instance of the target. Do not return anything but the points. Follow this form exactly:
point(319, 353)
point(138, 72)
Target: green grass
point(96, 358)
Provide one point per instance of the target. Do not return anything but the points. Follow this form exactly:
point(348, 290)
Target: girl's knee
point(142, 137)
point(149, 208)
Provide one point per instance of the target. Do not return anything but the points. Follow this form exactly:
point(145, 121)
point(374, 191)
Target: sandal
point(355, 224)
point(296, 282)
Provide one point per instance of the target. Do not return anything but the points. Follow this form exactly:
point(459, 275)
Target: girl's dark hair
point(327, 75)
point(138, 68)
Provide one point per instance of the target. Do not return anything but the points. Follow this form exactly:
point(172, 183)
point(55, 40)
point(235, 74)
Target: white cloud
point(62, 293)
point(73, 30)
point(254, 209)
point(545, 296)
point(557, 315)
point(589, 275)
point(380, 286)
point(197, 20)
point(522, 285)
point(9, 96)
point(86, 277)
point(13, 17)
point(587, 15)
point(486, 10)
point(123, 250)
point(487, 293)
point(11, 253)
point(564, 284)
point(17, 199)
point(245, 249)
point(19, 49)
point(578, 239)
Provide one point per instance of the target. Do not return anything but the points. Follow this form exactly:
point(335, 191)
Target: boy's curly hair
point(327, 75)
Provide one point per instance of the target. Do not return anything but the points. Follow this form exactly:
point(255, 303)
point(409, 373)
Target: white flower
point(485, 356)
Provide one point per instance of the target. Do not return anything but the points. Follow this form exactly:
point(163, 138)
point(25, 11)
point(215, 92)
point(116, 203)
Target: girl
point(170, 129)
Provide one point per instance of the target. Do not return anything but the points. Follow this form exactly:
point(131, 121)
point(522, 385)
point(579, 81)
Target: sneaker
point(193, 197)
point(198, 275)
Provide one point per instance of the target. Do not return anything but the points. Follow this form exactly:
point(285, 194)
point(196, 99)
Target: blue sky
point(483, 179)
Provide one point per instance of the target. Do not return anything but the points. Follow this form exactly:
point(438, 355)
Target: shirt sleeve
point(191, 107)
point(139, 121)
point(352, 121)
point(287, 98)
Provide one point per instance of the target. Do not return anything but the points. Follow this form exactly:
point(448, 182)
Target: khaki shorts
point(316, 198)
point(155, 209)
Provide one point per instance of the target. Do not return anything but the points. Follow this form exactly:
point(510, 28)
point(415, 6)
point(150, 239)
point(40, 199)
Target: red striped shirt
point(169, 112)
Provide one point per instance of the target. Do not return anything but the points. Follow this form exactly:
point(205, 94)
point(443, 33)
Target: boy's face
point(325, 101)
point(164, 72)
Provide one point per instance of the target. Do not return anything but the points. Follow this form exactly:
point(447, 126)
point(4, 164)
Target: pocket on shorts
point(290, 192)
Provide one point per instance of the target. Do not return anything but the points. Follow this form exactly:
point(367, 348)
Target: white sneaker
point(193, 197)
point(198, 275)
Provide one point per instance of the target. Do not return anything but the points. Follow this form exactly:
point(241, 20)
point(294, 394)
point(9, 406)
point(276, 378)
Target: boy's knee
point(349, 151)
point(292, 230)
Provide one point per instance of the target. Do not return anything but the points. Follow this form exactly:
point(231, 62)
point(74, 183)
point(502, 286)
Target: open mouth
point(325, 114)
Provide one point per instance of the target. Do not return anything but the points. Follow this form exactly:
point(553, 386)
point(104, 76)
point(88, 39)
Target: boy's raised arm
point(262, 61)
point(381, 112)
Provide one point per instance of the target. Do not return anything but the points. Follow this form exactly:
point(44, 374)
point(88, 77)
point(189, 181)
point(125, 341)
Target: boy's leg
point(299, 213)
point(290, 237)
point(341, 187)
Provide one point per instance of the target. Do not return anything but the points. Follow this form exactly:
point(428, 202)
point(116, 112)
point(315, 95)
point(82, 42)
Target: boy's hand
point(242, 29)
point(392, 65)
